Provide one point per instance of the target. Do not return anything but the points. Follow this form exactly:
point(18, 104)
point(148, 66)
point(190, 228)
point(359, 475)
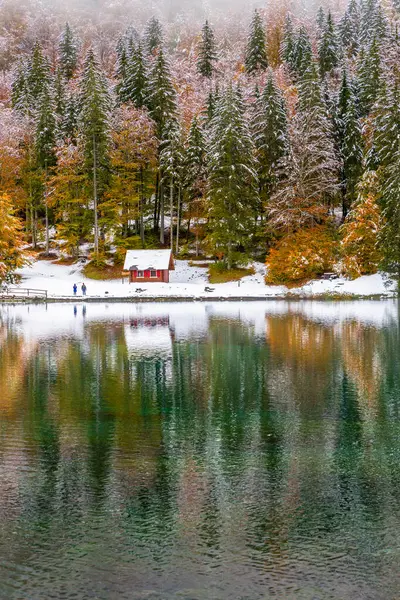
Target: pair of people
point(83, 288)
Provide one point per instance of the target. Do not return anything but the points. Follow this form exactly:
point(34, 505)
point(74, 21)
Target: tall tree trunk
point(171, 212)
point(46, 212)
point(162, 233)
point(156, 207)
point(96, 220)
point(178, 219)
point(141, 206)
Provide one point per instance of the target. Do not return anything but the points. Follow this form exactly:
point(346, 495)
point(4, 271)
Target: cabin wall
point(162, 277)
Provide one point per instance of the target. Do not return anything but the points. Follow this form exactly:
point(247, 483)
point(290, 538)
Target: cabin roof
point(159, 260)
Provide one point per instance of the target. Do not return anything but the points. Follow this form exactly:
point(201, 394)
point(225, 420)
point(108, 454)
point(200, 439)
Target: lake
point(212, 451)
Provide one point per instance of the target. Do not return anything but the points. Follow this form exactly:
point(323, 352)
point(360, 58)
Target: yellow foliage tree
point(301, 255)
point(359, 247)
point(11, 240)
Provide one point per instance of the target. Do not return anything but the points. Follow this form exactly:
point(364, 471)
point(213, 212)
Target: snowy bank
point(191, 283)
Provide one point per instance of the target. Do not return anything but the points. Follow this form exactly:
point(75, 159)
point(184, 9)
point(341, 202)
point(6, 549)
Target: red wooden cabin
point(149, 266)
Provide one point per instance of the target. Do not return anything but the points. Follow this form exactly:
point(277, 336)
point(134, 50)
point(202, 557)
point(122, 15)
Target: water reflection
point(200, 451)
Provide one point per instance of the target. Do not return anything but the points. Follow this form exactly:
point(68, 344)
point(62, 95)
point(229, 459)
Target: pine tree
point(387, 124)
point(59, 95)
point(352, 153)
point(310, 184)
point(11, 241)
point(321, 20)
point(21, 99)
point(302, 54)
point(71, 118)
point(122, 69)
point(136, 84)
point(256, 51)
point(328, 48)
point(232, 184)
point(270, 135)
point(288, 43)
point(161, 94)
point(68, 51)
point(369, 70)
point(388, 200)
point(348, 36)
point(38, 76)
point(94, 127)
point(45, 143)
point(171, 163)
point(153, 36)
point(207, 52)
point(195, 160)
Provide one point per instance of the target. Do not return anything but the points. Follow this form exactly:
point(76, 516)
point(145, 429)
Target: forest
point(275, 140)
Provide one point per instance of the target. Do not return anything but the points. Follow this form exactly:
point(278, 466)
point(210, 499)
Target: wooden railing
point(10, 293)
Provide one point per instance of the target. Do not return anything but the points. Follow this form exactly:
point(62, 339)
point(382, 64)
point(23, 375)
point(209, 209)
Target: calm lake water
point(200, 451)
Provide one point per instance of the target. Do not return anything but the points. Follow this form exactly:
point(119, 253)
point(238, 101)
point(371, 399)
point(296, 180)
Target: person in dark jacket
point(83, 288)
point(75, 288)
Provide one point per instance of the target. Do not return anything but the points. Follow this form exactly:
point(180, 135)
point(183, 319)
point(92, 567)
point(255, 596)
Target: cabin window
point(153, 274)
point(140, 274)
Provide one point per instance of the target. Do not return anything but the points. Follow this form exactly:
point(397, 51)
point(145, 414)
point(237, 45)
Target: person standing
point(83, 289)
point(75, 288)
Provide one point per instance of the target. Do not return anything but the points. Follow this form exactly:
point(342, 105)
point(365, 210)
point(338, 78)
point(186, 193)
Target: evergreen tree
point(388, 200)
point(68, 51)
point(207, 52)
point(256, 51)
point(321, 20)
point(311, 171)
point(59, 95)
point(161, 94)
point(348, 35)
point(387, 124)
point(288, 43)
point(368, 72)
point(352, 153)
point(232, 184)
point(38, 76)
point(171, 162)
point(136, 84)
point(328, 48)
point(302, 54)
point(122, 69)
point(94, 129)
point(71, 118)
point(153, 36)
point(21, 99)
point(270, 135)
point(195, 160)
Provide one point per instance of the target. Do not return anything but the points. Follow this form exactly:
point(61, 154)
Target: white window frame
point(140, 274)
point(151, 274)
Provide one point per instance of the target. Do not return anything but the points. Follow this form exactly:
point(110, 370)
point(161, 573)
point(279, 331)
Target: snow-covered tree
point(388, 200)
point(232, 182)
point(270, 135)
point(95, 107)
point(328, 47)
point(153, 36)
point(368, 74)
point(161, 93)
point(136, 83)
point(171, 163)
point(207, 52)
point(352, 153)
point(256, 51)
point(68, 51)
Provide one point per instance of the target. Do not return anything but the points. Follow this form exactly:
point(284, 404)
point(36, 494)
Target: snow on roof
point(148, 259)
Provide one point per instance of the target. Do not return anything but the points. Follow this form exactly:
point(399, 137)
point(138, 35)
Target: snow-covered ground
point(190, 282)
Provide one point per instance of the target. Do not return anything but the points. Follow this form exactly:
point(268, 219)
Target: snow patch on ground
point(190, 282)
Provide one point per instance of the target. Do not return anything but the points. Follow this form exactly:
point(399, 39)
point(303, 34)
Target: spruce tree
point(311, 172)
point(171, 162)
point(352, 153)
point(195, 160)
point(270, 136)
point(94, 129)
point(388, 200)
point(348, 35)
point(321, 20)
point(302, 53)
point(232, 182)
point(71, 119)
point(136, 84)
point(38, 76)
point(68, 51)
point(288, 42)
point(21, 99)
point(153, 36)
point(368, 73)
point(161, 94)
point(122, 69)
point(207, 52)
point(59, 95)
point(328, 47)
point(387, 124)
point(256, 52)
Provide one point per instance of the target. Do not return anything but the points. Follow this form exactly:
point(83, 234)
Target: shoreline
point(189, 299)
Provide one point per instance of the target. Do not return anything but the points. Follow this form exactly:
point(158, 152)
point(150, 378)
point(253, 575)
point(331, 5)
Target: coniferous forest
point(273, 139)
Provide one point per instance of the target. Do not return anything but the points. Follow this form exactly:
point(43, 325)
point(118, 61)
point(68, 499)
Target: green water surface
point(200, 452)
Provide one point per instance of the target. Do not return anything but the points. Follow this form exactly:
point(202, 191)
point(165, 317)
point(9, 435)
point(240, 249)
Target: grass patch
point(67, 261)
point(103, 273)
point(199, 264)
point(217, 273)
